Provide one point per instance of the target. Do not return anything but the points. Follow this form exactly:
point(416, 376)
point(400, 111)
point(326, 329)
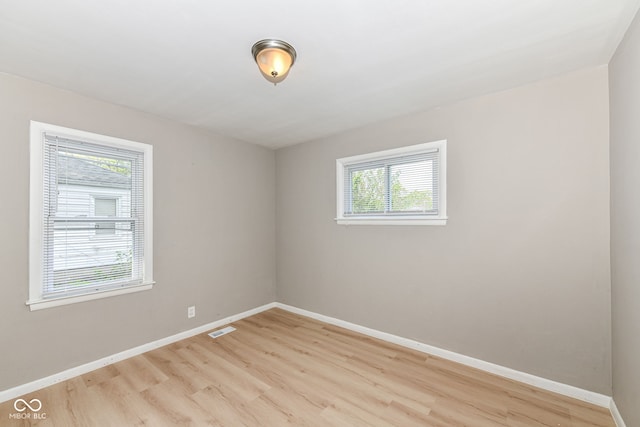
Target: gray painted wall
point(520, 275)
point(213, 242)
point(624, 86)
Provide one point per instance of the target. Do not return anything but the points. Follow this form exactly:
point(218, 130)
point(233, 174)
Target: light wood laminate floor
point(281, 369)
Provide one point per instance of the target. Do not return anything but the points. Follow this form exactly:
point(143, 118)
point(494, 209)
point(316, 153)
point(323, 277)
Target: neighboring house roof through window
point(79, 171)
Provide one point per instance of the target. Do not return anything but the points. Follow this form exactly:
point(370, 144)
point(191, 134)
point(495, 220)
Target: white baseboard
point(616, 415)
point(543, 383)
point(20, 390)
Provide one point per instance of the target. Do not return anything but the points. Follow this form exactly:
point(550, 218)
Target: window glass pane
point(367, 191)
point(412, 186)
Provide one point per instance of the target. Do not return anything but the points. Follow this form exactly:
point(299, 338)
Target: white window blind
point(78, 255)
point(92, 215)
point(395, 186)
point(399, 184)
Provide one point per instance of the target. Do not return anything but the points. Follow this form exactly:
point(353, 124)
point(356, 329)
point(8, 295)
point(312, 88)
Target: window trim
point(343, 163)
point(36, 208)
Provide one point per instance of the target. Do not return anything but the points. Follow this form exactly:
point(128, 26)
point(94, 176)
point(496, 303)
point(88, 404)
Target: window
point(90, 216)
point(105, 208)
point(400, 186)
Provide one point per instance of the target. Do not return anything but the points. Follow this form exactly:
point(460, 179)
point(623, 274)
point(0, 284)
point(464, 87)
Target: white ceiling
point(359, 61)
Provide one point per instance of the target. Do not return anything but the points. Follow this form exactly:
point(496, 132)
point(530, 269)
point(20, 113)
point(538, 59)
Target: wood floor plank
point(139, 373)
point(279, 368)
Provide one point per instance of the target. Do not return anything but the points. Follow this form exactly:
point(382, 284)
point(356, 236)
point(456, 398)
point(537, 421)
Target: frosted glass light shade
point(274, 59)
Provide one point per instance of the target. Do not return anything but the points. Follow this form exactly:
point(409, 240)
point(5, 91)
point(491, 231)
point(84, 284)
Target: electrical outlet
point(191, 311)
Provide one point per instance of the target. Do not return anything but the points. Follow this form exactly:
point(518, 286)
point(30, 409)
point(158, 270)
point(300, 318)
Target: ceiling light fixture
point(274, 59)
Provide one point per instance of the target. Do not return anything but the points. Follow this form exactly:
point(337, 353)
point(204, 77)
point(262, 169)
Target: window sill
point(56, 302)
point(391, 221)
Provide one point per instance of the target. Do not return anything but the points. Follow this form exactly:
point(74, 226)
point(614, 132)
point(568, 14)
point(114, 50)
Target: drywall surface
point(520, 274)
point(214, 235)
point(624, 89)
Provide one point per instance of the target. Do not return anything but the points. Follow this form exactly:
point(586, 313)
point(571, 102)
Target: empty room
point(336, 213)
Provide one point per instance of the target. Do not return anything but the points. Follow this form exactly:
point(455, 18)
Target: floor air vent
point(223, 331)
